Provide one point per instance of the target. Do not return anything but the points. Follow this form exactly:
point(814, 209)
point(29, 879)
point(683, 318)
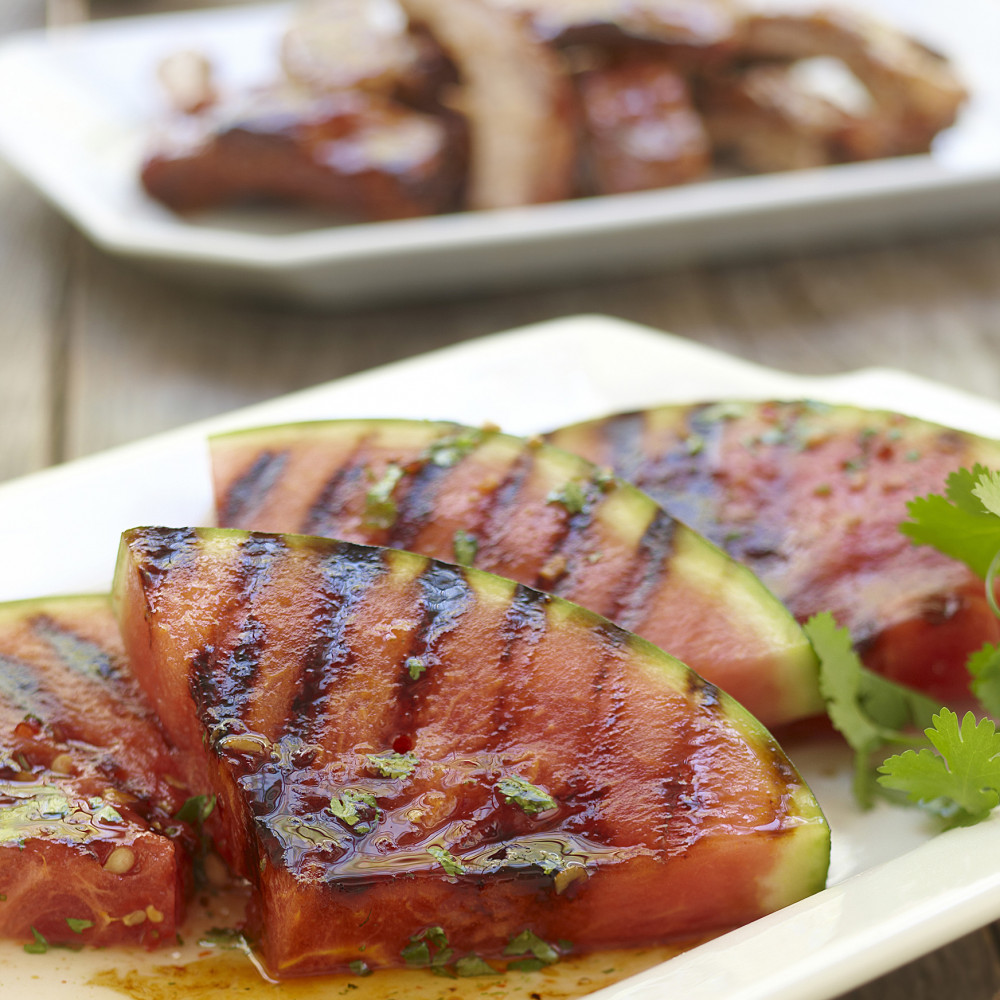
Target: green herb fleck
point(529, 797)
point(393, 765)
point(222, 937)
point(359, 968)
point(694, 444)
point(961, 782)
point(526, 964)
point(416, 667)
point(196, 810)
point(529, 943)
point(450, 450)
point(380, 508)
point(78, 926)
point(473, 965)
point(571, 495)
point(465, 547)
point(345, 808)
point(912, 455)
point(418, 951)
point(451, 864)
point(822, 490)
point(37, 947)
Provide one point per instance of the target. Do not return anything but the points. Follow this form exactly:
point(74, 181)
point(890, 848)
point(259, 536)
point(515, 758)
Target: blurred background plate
point(87, 95)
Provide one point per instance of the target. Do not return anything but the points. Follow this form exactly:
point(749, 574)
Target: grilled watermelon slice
point(810, 497)
point(89, 850)
point(409, 753)
point(536, 515)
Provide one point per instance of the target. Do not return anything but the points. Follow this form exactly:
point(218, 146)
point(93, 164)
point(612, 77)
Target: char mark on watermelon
point(537, 515)
point(423, 746)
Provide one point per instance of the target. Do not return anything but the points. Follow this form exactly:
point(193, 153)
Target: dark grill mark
point(348, 478)
point(348, 573)
point(702, 692)
point(19, 685)
point(445, 595)
point(82, 656)
point(248, 492)
point(416, 502)
point(158, 550)
point(323, 514)
point(624, 434)
point(222, 685)
point(501, 501)
point(649, 565)
point(525, 623)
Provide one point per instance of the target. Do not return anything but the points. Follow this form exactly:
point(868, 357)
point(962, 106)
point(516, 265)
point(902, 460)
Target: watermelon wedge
point(534, 514)
point(90, 849)
point(810, 497)
point(420, 763)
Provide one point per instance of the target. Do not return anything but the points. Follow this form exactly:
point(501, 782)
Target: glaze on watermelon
point(407, 752)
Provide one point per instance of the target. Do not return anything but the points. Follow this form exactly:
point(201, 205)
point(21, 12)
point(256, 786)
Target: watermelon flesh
point(90, 851)
point(810, 497)
point(533, 514)
point(422, 763)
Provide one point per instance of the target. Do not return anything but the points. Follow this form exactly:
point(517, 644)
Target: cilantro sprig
point(961, 782)
point(871, 712)
point(952, 767)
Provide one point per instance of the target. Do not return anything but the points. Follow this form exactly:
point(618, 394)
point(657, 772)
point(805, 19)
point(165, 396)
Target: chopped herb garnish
point(571, 495)
point(529, 797)
point(78, 926)
point(196, 810)
point(473, 965)
point(223, 937)
point(529, 943)
point(465, 547)
point(912, 456)
point(37, 947)
point(449, 451)
point(393, 765)
point(451, 864)
point(526, 964)
point(380, 508)
point(694, 444)
point(419, 951)
point(359, 968)
point(416, 667)
point(346, 808)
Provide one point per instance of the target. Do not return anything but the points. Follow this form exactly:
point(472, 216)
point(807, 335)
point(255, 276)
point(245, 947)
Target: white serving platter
point(81, 102)
point(896, 890)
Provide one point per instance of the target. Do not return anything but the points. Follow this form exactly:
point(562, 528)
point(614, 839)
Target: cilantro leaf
point(380, 508)
point(78, 925)
point(465, 547)
point(448, 861)
point(393, 765)
point(529, 797)
point(529, 943)
point(961, 782)
point(987, 489)
point(958, 524)
point(346, 808)
point(869, 711)
point(984, 666)
point(39, 946)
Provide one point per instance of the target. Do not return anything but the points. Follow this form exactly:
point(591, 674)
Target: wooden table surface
point(96, 353)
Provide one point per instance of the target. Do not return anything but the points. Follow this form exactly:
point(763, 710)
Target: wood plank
point(33, 262)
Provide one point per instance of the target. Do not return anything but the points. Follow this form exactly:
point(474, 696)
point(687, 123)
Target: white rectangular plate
point(895, 890)
point(81, 102)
